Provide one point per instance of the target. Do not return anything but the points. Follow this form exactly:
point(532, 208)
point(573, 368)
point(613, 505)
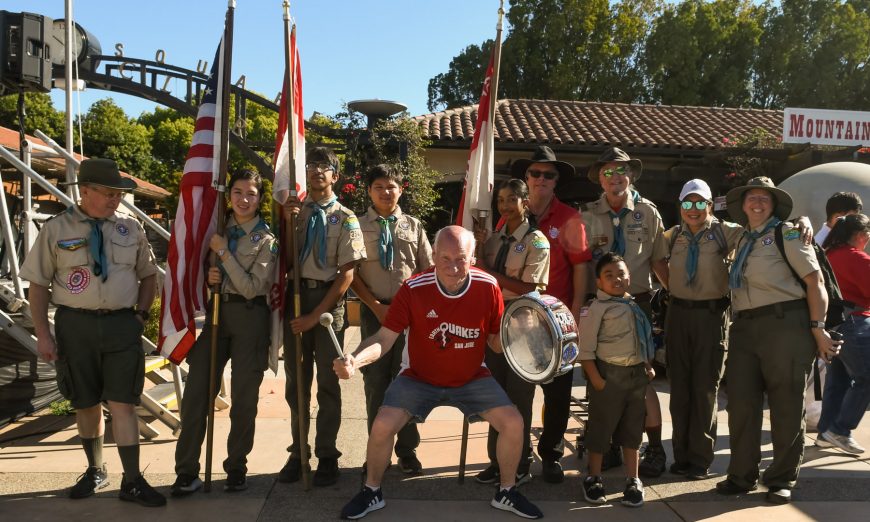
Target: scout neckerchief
point(101, 266)
point(316, 232)
point(385, 242)
point(692, 257)
point(618, 236)
point(641, 325)
point(236, 232)
point(735, 277)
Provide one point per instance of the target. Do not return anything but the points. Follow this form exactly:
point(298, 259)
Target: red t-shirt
point(445, 338)
point(568, 247)
point(852, 268)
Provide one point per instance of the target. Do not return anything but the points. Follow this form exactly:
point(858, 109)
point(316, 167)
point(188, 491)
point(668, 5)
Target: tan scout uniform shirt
point(608, 332)
point(412, 253)
point(644, 238)
point(528, 259)
point(61, 260)
point(711, 276)
point(249, 268)
point(767, 277)
point(344, 242)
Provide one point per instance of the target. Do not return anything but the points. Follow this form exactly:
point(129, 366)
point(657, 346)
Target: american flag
point(281, 187)
point(185, 289)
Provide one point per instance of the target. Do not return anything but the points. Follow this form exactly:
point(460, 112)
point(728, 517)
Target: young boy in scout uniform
point(396, 249)
point(246, 257)
point(623, 222)
point(330, 244)
point(97, 267)
point(518, 256)
point(616, 352)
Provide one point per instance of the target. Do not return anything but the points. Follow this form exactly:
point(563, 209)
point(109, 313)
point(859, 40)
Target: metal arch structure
point(149, 79)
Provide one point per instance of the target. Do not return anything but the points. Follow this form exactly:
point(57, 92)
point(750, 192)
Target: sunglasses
point(319, 167)
point(700, 205)
point(548, 174)
point(609, 173)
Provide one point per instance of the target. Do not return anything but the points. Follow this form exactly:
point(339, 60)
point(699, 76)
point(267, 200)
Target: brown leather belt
point(97, 311)
point(772, 309)
point(713, 304)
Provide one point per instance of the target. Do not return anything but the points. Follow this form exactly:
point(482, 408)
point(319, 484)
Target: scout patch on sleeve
point(792, 234)
point(351, 223)
point(72, 244)
point(274, 248)
point(584, 312)
point(540, 243)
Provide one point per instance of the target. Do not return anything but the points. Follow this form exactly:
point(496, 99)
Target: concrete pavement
point(40, 458)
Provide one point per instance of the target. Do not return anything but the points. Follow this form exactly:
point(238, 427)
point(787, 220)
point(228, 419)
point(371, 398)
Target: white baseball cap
point(696, 186)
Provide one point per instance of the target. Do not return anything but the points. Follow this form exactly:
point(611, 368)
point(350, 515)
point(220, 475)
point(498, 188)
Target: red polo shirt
point(568, 247)
point(852, 268)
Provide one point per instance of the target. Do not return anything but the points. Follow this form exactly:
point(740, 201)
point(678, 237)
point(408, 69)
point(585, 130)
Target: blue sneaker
point(363, 503)
point(514, 501)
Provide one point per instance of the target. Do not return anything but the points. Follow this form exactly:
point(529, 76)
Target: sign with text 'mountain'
point(826, 127)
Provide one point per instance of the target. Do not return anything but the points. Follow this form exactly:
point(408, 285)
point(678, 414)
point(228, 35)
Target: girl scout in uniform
point(518, 256)
point(245, 263)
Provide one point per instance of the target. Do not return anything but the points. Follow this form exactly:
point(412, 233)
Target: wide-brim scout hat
point(543, 154)
point(734, 199)
point(103, 172)
point(615, 154)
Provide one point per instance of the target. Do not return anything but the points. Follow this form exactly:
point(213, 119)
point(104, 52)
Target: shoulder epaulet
point(648, 202)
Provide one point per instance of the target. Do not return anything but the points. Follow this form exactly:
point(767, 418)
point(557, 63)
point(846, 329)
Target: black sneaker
point(777, 495)
point(633, 494)
point(326, 474)
point(593, 490)
point(92, 479)
point(488, 476)
point(552, 472)
point(612, 459)
point(678, 468)
point(236, 481)
point(292, 471)
point(185, 485)
point(653, 463)
point(410, 465)
point(363, 503)
point(138, 490)
point(729, 487)
point(698, 473)
point(514, 501)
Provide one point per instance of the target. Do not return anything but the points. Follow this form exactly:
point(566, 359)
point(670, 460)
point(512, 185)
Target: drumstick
point(326, 322)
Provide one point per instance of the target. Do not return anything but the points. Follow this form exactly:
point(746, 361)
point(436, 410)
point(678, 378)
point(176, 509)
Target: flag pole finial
point(498, 26)
point(286, 5)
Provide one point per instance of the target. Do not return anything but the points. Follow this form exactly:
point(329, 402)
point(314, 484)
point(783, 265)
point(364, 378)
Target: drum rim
point(555, 361)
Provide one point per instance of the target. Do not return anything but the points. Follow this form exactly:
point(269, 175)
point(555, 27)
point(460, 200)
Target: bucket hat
point(611, 155)
point(734, 199)
point(103, 172)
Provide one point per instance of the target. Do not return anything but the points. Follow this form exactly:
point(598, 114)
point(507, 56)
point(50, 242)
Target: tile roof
point(9, 139)
point(593, 125)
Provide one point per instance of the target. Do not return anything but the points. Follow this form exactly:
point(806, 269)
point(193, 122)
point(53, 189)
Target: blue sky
point(350, 49)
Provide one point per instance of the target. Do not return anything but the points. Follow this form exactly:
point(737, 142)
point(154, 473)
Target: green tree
point(462, 83)
point(39, 114)
point(111, 134)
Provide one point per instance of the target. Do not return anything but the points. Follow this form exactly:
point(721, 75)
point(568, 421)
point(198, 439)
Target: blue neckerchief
point(692, 257)
point(95, 243)
point(618, 236)
point(385, 242)
point(316, 232)
point(236, 232)
point(501, 256)
point(642, 326)
point(735, 277)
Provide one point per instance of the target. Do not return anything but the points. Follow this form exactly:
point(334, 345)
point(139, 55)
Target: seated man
point(450, 312)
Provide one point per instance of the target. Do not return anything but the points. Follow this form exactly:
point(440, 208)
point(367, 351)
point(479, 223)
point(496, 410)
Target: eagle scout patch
point(351, 223)
point(333, 219)
point(72, 244)
point(767, 241)
point(791, 235)
point(540, 243)
point(122, 229)
point(519, 248)
point(78, 280)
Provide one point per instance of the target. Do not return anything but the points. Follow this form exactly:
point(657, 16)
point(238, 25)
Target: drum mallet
point(326, 322)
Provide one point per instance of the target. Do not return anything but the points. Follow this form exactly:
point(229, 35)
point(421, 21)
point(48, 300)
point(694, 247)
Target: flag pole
point(227, 60)
point(289, 75)
point(480, 215)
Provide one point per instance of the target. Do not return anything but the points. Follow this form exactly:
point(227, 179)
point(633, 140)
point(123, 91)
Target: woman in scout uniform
point(777, 329)
point(396, 248)
point(518, 256)
point(245, 263)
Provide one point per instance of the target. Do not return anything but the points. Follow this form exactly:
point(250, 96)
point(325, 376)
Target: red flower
point(731, 175)
point(348, 188)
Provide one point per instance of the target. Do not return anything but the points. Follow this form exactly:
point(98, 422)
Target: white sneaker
point(843, 442)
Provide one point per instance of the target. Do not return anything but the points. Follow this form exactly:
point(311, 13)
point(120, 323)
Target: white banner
point(826, 127)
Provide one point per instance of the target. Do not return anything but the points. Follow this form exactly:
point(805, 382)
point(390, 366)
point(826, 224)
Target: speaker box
point(25, 51)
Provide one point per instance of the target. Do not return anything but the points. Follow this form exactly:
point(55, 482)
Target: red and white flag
point(480, 172)
point(185, 289)
point(281, 188)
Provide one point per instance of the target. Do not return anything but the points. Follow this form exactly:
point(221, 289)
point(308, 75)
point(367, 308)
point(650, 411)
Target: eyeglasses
point(609, 173)
point(548, 174)
point(700, 205)
point(319, 167)
point(108, 194)
point(758, 199)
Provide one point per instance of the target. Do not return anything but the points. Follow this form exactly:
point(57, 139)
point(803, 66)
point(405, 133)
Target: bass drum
point(539, 337)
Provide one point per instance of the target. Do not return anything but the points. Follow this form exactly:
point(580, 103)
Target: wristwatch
point(144, 314)
point(817, 324)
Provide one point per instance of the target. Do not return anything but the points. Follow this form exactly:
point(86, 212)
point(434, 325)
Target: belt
point(236, 298)
point(97, 311)
point(772, 309)
point(311, 284)
point(643, 297)
point(713, 304)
